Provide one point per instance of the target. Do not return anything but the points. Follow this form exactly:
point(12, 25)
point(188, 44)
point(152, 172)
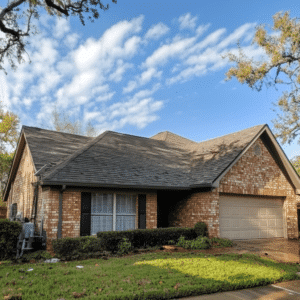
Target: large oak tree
point(9, 134)
point(281, 66)
point(16, 22)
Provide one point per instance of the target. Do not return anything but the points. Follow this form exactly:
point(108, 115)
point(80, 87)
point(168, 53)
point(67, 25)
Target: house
point(241, 184)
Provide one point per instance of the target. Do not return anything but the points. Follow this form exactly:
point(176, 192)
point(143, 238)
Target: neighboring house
point(241, 185)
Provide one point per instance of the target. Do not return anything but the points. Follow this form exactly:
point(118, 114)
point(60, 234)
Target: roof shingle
point(164, 161)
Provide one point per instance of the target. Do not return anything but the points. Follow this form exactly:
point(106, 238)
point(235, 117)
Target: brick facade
point(260, 175)
point(151, 210)
point(49, 208)
point(22, 190)
point(3, 211)
point(253, 174)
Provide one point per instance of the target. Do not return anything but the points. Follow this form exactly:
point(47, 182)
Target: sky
point(145, 67)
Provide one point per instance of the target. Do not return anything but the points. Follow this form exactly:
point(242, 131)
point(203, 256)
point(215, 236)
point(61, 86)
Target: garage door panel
point(250, 218)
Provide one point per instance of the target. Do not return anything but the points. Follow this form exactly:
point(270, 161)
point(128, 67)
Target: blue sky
point(145, 67)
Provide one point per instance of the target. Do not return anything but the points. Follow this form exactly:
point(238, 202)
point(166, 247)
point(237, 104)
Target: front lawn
point(144, 276)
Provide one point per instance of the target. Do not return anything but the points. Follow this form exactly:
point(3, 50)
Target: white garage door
point(250, 218)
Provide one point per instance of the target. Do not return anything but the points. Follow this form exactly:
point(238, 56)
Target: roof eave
point(125, 186)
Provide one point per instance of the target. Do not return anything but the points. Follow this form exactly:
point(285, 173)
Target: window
point(112, 212)
point(14, 209)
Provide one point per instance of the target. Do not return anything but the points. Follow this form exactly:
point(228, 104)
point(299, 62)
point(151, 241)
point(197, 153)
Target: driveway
point(279, 249)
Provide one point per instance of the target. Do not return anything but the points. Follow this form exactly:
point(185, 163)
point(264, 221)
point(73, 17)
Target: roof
point(164, 161)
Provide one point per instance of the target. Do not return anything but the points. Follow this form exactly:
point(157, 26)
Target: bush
point(146, 238)
point(37, 255)
point(9, 233)
point(201, 229)
point(81, 247)
point(124, 246)
point(219, 243)
point(197, 244)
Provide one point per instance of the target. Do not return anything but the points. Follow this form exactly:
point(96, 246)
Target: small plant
point(201, 229)
point(9, 233)
point(219, 242)
point(171, 242)
point(197, 244)
point(124, 247)
point(37, 255)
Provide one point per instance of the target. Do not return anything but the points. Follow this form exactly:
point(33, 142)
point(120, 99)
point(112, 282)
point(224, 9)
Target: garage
point(251, 217)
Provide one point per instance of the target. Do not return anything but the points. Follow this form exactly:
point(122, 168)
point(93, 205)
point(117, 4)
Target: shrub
point(124, 246)
point(218, 242)
point(81, 247)
point(196, 244)
point(144, 237)
point(201, 229)
point(37, 255)
point(9, 233)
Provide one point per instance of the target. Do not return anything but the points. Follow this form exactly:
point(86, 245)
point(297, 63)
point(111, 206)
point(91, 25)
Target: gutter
point(59, 225)
point(123, 186)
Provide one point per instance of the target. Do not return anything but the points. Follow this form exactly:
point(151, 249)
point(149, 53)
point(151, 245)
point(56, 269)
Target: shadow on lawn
point(135, 278)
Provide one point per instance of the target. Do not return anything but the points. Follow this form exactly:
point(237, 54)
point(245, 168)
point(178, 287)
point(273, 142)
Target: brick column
point(151, 211)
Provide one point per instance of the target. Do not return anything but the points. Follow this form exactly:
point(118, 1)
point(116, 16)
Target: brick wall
point(49, 200)
point(3, 211)
point(251, 175)
point(260, 175)
point(151, 210)
point(22, 190)
point(198, 207)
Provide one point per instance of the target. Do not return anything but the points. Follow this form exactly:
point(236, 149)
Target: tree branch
point(10, 8)
point(58, 8)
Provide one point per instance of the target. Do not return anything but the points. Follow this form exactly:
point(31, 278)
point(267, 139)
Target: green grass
point(146, 276)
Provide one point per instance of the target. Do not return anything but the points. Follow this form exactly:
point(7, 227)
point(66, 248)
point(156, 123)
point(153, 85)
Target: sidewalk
point(284, 290)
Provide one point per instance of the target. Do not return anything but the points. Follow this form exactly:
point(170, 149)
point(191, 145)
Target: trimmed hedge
point(142, 238)
point(9, 233)
point(81, 247)
point(201, 229)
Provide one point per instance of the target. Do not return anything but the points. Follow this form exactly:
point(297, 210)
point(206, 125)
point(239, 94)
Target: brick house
point(241, 185)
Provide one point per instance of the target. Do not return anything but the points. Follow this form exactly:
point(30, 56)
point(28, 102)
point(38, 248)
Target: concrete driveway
point(280, 249)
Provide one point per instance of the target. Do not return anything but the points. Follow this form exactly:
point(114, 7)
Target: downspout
point(59, 225)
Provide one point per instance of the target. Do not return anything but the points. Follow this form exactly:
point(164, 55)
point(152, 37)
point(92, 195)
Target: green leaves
point(281, 65)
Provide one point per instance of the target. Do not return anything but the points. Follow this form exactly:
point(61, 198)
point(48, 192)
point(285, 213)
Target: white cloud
point(186, 21)
point(157, 31)
point(142, 79)
point(71, 40)
point(187, 73)
point(61, 27)
point(162, 54)
point(234, 37)
point(87, 77)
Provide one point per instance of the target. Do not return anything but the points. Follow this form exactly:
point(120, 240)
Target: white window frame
point(115, 208)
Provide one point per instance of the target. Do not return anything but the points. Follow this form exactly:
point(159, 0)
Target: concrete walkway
point(284, 290)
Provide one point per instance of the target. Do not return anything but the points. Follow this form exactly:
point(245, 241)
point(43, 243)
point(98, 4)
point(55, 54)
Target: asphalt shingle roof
point(164, 161)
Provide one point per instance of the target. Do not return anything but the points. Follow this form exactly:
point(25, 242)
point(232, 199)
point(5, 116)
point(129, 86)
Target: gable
point(257, 172)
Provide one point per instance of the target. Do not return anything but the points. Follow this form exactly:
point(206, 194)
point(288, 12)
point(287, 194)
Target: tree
point(62, 122)
point(9, 124)
point(295, 161)
point(16, 22)
point(281, 66)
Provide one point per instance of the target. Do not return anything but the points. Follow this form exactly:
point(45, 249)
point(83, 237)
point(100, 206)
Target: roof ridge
point(77, 153)
point(25, 126)
point(229, 134)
